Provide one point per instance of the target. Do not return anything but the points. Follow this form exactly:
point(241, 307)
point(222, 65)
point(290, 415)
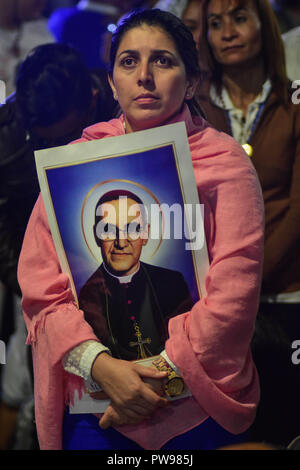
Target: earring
point(187, 95)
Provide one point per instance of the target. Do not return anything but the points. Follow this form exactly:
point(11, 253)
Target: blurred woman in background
point(249, 97)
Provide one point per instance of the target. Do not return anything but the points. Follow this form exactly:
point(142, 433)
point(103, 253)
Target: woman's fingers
point(155, 385)
point(115, 417)
point(110, 418)
point(139, 408)
point(144, 397)
point(150, 372)
point(123, 382)
point(151, 398)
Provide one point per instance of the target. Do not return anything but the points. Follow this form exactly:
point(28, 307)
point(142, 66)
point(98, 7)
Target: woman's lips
point(232, 48)
point(145, 99)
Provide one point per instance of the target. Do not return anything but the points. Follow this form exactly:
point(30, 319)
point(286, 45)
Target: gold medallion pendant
point(174, 384)
point(248, 149)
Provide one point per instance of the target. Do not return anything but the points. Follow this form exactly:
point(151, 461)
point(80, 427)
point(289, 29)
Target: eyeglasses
point(109, 232)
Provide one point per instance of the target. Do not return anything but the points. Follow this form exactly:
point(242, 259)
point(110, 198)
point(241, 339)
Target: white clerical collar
point(122, 279)
point(99, 7)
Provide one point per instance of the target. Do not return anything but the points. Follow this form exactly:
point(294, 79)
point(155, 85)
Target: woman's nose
point(228, 31)
point(145, 74)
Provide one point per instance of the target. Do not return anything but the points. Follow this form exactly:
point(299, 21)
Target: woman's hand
point(157, 385)
point(113, 416)
point(132, 400)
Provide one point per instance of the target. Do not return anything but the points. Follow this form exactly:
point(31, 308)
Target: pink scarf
point(209, 344)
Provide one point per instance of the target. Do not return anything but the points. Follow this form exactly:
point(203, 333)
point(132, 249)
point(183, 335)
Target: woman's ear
point(95, 96)
point(191, 88)
point(112, 86)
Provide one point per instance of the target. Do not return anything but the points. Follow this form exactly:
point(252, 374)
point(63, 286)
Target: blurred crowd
point(44, 45)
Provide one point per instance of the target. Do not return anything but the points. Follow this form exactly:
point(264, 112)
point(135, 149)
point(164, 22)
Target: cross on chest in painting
point(143, 351)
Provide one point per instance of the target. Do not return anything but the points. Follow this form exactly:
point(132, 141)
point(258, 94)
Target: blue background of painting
point(69, 185)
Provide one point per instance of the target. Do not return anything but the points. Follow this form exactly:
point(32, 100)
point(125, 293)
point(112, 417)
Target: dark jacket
point(19, 190)
point(19, 187)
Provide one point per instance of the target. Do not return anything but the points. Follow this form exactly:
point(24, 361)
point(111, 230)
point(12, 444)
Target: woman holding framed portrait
point(154, 73)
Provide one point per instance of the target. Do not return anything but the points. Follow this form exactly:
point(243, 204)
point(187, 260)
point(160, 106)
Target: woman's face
point(234, 31)
point(192, 18)
point(149, 78)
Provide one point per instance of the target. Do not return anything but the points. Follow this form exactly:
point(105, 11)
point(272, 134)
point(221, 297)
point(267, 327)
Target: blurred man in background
point(288, 13)
point(49, 109)
point(88, 25)
point(22, 28)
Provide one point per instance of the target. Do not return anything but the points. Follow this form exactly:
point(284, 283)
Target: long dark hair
point(175, 29)
point(272, 48)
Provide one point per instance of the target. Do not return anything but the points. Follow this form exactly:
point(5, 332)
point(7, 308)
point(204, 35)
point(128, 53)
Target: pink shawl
point(209, 344)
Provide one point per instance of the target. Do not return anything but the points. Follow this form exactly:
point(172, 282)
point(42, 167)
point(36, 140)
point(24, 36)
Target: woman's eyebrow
point(128, 51)
point(152, 51)
point(233, 11)
point(161, 51)
point(190, 21)
point(214, 15)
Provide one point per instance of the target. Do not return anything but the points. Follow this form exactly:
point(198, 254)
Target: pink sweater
point(209, 344)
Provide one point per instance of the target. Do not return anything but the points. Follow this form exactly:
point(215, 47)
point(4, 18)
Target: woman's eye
point(240, 19)
point(215, 24)
point(161, 60)
point(128, 62)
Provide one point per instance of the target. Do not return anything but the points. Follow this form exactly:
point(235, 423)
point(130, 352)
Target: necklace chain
point(247, 147)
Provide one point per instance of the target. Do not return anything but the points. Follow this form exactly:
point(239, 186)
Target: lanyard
point(247, 147)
